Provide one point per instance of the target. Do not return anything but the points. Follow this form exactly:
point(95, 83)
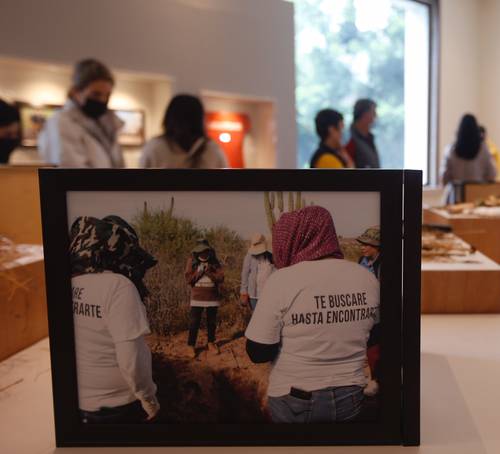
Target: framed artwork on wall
point(33, 117)
point(133, 132)
point(233, 307)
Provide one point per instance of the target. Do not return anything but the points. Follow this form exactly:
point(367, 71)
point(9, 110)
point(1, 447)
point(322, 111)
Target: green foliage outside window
point(337, 63)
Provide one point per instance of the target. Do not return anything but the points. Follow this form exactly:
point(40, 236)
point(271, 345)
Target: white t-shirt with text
point(322, 312)
point(107, 309)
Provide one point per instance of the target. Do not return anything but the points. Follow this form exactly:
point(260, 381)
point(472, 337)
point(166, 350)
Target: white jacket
point(72, 139)
point(204, 154)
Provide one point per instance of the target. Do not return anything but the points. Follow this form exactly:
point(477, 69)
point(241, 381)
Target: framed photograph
point(233, 307)
point(132, 134)
point(32, 120)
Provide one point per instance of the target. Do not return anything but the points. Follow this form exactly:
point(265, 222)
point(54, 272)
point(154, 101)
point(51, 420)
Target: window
point(378, 49)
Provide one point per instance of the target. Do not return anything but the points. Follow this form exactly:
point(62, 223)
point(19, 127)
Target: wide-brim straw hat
point(258, 244)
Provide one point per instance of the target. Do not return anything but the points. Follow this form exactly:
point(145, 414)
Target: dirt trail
point(224, 388)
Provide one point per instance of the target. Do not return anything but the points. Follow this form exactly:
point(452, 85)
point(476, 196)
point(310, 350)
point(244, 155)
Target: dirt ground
point(215, 388)
point(222, 388)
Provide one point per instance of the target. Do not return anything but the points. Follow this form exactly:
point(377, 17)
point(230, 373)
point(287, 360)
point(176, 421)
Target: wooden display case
point(480, 232)
point(20, 218)
point(479, 191)
point(23, 309)
point(470, 286)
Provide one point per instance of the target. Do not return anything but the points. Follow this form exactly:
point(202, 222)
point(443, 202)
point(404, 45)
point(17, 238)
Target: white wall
point(236, 46)
point(489, 66)
point(460, 73)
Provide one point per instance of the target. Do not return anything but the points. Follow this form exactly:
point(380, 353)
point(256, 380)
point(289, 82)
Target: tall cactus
point(280, 202)
point(290, 202)
point(274, 205)
point(271, 220)
point(298, 201)
point(171, 209)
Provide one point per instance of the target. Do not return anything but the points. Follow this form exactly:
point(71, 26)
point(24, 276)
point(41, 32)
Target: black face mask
point(94, 109)
point(7, 146)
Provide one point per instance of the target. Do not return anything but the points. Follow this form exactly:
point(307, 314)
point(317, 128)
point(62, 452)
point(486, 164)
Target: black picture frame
point(400, 216)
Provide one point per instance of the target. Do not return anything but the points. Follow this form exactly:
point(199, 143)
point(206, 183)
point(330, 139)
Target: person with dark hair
point(184, 142)
point(84, 133)
point(10, 136)
point(361, 147)
point(313, 321)
point(114, 367)
point(330, 153)
point(204, 274)
point(468, 159)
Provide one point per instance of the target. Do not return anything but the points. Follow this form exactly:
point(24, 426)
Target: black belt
point(300, 393)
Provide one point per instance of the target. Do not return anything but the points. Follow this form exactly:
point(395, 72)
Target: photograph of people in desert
point(226, 307)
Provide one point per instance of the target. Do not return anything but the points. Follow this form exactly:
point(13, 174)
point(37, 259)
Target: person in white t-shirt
point(114, 368)
point(313, 321)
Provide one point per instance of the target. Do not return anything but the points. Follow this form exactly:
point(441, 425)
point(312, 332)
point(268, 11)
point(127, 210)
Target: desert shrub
point(350, 248)
point(170, 240)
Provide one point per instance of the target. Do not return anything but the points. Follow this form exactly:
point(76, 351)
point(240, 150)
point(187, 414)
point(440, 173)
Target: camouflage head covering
point(110, 244)
point(370, 237)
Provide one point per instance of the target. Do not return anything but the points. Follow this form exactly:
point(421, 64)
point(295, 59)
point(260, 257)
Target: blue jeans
point(253, 303)
point(327, 405)
point(131, 413)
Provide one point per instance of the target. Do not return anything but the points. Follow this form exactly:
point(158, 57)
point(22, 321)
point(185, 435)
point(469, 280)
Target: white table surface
point(460, 397)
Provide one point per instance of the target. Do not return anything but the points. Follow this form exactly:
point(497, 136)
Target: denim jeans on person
point(196, 312)
point(131, 413)
point(332, 404)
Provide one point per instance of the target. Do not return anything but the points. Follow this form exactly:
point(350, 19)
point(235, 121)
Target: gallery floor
point(460, 397)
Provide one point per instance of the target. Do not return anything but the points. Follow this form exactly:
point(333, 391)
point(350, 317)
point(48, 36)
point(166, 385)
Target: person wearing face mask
point(330, 153)
point(9, 130)
point(84, 133)
point(361, 147)
point(204, 274)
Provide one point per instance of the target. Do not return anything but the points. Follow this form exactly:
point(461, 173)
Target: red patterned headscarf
point(306, 234)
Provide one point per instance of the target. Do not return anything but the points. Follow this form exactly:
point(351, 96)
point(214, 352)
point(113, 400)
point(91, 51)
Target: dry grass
point(351, 249)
